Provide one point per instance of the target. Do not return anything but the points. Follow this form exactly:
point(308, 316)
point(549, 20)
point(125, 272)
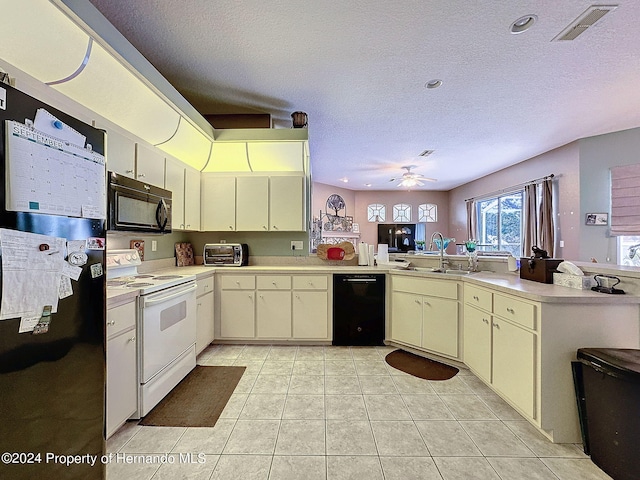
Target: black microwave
point(135, 206)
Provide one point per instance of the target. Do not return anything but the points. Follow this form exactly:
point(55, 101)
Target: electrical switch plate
point(297, 244)
point(561, 243)
point(154, 245)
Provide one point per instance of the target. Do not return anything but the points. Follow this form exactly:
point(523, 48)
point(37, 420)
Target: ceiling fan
point(410, 179)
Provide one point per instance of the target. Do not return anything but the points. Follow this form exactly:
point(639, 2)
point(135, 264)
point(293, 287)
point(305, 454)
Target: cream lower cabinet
point(425, 314)
point(310, 307)
point(122, 380)
point(204, 313)
point(500, 344)
point(237, 306)
point(274, 307)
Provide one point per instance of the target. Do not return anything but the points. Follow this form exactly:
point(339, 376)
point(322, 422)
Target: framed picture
point(597, 219)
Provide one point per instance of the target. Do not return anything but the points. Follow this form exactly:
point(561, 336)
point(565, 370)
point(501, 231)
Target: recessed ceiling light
point(367, 184)
point(523, 24)
point(435, 83)
point(344, 179)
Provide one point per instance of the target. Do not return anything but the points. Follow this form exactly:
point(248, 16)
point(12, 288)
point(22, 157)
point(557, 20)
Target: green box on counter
point(539, 269)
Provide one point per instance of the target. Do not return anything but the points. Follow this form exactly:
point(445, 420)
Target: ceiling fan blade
point(419, 183)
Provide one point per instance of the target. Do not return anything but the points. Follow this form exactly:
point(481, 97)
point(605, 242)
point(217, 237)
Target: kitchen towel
point(363, 254)
point(370, 256)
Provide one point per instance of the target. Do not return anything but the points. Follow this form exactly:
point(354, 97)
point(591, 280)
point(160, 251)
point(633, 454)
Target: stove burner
point(116, 283)
point(139, 284)
point(143, 276)
point(167, 277)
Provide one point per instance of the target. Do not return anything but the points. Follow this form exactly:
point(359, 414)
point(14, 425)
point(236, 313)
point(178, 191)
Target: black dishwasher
point(358, 309)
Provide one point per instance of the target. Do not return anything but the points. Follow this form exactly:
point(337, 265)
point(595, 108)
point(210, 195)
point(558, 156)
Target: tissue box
point(580, 282)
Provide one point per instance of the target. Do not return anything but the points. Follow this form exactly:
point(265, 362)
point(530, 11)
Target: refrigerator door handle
point(162, 214)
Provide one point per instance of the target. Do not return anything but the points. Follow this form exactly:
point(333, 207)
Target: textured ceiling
point(359, 69)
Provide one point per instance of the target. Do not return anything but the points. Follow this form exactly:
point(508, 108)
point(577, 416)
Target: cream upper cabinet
point(184, 183)
point(149, 165)
point(218, 203)
point(174, 181)
point(252, 204)
point(191, 199)
point(120, 154)
point(286, 203)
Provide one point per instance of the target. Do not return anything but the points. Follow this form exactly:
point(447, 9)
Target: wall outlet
point(154, 245)
point(297, 244)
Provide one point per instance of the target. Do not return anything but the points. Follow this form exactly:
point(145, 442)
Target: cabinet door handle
point(275, 227)
point(230, 227)
point(311, 284)
point(417, 301)
point(511, 310)
point(140, 175)
point(274, 284)
point(485, 321)
point(427, 303)
point(265, 227)
point(237, 283)
point(495, 325)
point(298, 297)
point(250, 297)
point(132, 339)
point(111, 322)
point(475, 297)
point(128, 171)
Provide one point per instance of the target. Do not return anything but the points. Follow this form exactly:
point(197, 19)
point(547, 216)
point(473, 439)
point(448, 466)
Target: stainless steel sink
point(450, 271)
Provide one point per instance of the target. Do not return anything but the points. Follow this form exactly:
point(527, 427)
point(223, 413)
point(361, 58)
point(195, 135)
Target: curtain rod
point(514, 187)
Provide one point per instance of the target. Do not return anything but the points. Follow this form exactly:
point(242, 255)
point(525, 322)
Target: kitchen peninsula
point(518, 336)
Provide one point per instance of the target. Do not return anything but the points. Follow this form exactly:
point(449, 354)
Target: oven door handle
point(163, 298)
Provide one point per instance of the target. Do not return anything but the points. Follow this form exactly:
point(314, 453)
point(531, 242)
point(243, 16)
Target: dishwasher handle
point(360, 280)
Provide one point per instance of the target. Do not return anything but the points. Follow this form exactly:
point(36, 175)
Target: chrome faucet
point(441, 248)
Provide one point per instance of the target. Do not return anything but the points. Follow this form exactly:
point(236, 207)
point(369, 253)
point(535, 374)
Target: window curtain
point(530, 220)
point(538, 217)
point(545, 218)
point(472, 220)
point(625, 200)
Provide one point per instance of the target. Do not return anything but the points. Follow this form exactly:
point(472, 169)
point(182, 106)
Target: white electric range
point(166, 325)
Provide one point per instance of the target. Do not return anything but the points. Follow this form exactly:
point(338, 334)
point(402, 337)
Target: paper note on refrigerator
point(48, 175)
point(31, 268)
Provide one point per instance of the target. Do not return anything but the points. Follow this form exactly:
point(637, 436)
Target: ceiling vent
point(426, 153)
point(589, 18)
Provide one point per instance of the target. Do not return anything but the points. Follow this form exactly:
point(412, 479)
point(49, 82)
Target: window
point(427, 212)
point(376, 212)
point(500, 223)
point(401, 213)
point(629, 250)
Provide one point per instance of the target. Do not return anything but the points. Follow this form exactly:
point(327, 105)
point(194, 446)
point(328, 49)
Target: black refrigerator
point(52, 376)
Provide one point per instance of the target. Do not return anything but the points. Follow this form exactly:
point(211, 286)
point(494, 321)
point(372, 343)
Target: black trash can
point(608, 391)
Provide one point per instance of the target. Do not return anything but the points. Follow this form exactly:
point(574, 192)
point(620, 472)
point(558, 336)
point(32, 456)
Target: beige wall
point(564, 163)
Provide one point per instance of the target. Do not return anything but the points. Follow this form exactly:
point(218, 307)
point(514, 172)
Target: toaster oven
point(226, 254)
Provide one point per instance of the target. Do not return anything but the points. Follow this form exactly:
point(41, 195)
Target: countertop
point(509, 283)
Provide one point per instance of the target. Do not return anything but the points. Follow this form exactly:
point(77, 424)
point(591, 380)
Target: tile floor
point(342, 413)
